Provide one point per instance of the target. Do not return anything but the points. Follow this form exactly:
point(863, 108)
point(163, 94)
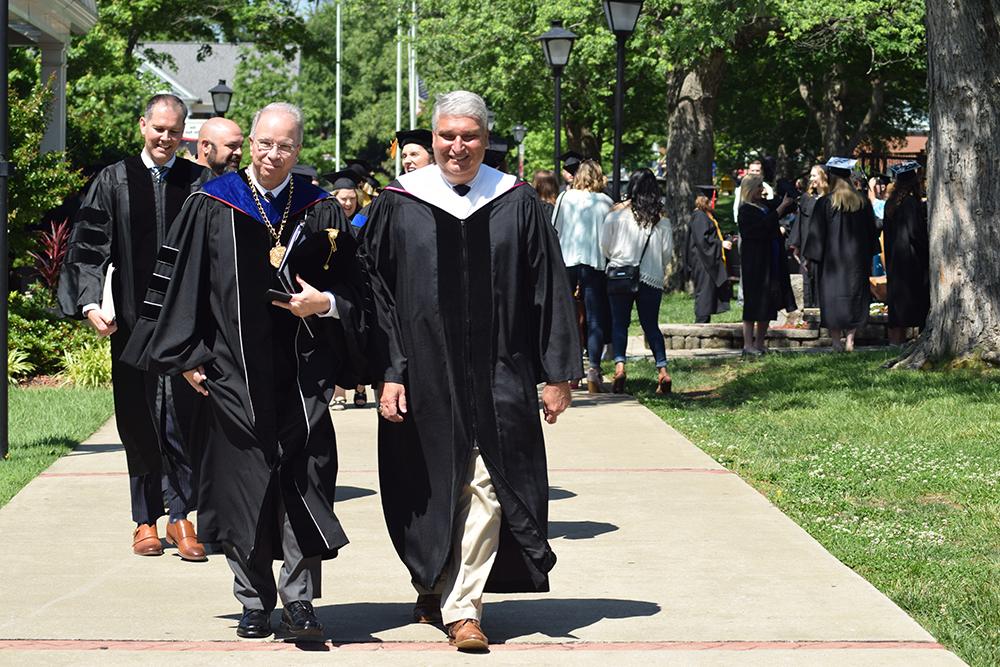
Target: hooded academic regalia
point(707, 260)
point(270, 374)
point(907, 256)
point(123, 219)
point(473, 303)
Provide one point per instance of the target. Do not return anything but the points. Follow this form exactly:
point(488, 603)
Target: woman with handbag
point(579, 214)
point(638, 243)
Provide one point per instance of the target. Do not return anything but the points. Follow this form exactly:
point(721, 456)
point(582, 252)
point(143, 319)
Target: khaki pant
point(474, 544)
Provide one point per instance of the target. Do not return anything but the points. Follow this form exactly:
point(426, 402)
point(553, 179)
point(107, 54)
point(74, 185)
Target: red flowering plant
point(55, 243)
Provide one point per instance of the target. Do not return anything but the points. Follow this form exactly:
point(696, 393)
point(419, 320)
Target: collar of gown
point(428, 185)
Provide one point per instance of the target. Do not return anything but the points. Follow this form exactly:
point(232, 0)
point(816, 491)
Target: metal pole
point(337, 122)
point(557, 122)
point(520, 160)
point(616, 168)
point(5, 171)
point(399, 86)
point(413, 64)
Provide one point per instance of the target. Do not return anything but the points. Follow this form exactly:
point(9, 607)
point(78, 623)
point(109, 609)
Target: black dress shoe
point(299, 622)
point(255, 624)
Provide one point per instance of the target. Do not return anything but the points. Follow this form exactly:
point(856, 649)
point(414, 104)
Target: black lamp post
point(519, 131)
point(222, 95)
point(622, 16)
point(5, 172)
point(557, 44)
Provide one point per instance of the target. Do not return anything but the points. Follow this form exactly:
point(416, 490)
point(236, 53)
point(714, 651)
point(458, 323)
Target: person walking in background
point(817, 187)
point(907, 257)
point(706, 252)
point(579, 215)
point(842, 239)
point(415, 149)
point(766, 285)
point(547, 186)
point(220, 145)
point(637, 235)
point(124, 218)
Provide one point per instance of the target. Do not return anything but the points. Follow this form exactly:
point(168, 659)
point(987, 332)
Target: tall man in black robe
point(266, 367)
point(123, 219)
point(474, 306)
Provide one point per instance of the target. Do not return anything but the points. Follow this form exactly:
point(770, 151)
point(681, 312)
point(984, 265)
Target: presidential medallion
point(277, 254)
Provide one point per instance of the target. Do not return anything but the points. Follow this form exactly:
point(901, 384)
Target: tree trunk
point(963, 49)
point(692, 99)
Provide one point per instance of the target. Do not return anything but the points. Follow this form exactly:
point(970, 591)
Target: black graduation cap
point(496, 151)
point(840, 166)
point(343, 179)
point(365, 172)
point(707, 190)
point(305, 171)
point(904, 169)
point(416, 136)
point(571, 161)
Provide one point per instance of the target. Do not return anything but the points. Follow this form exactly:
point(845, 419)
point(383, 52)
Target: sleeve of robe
point(706, 247)
point(814, 245)
point(387, 357)
point(553, 313)
point(169, 335)
point(756, 225)
point(81, 281)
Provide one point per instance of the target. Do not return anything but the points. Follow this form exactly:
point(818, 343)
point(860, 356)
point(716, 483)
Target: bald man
point(220, 145)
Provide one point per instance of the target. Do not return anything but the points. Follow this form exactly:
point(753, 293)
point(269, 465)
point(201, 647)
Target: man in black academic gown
point(124, 217)
point(266, 363)
point(474, 310)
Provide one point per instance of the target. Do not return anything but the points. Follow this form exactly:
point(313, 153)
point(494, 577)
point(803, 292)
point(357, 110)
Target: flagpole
point(399, 85)
point(413, 64)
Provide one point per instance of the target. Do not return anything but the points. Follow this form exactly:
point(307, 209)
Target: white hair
point(279, 107)
point(460, 103)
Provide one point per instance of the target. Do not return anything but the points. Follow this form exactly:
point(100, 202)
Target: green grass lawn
point(897, 473)
point(44, 425)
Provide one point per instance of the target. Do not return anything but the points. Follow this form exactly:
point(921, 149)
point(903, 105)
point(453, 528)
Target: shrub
point(36, 328)
point(89, 365)
point(18, 365)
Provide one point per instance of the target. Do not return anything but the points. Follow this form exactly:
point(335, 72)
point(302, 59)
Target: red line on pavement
point(275, 646)
point(704, 471)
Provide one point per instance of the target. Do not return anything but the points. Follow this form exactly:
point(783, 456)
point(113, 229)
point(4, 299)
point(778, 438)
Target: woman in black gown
point(907, 259)
point(707, 260)
point(818, 186)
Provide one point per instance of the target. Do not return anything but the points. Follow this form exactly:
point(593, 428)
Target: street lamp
point(519, 131)
point(557, 44)
point(622, 16)
point(222, 95)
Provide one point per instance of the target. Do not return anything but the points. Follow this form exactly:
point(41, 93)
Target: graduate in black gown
point(266, 368)
point(472, 299)
point(125, 216)
point(707, 261)
point(907, 254)
point(842, 239)
point(817, 187)
point(766, 285)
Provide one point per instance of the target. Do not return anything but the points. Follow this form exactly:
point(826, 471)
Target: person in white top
point(636, 235)
point(578, 216)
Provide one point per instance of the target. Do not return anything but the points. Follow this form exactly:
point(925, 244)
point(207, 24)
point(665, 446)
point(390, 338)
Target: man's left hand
point(555, 399)
point(309, 301)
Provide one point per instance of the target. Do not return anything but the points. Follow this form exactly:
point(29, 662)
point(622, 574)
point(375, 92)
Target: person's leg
point(835, 336)
point(621, 316)
point(648, 305)
point(595, 300)
point(179, 479)
point(147, 506)
point(475, 541)
point(748, 347)
point(760, 337)
point(849, 343)
point(299, 583)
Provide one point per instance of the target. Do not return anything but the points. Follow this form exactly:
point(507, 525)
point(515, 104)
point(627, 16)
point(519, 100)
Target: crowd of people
point(241, 303)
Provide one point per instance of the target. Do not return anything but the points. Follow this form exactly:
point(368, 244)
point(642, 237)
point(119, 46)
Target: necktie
point(159, 173)
point(269, 196)
point(462, 189)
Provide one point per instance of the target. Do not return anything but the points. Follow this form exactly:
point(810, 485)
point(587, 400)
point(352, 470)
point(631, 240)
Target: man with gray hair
point(125, 215)
point(256, 304)
point(474, 310)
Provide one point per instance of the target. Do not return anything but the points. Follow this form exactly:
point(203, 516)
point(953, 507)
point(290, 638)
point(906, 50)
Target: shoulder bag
point(625, 279)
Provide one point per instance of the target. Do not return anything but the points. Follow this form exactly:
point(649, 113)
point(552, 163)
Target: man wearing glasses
point(258, 309)
point(125, 216)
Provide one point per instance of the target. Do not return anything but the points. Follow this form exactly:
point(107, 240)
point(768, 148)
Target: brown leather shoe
point(466, 635)
point(427, 608)
point(181, 534)
point(145, 541)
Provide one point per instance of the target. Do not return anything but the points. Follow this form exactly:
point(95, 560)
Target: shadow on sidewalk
point(84, 449)
point(579, 530)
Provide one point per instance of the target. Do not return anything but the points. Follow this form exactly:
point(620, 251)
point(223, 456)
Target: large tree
point(963, 52)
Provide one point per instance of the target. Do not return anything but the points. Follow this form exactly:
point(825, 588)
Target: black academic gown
point(270, 374)
point(766, 285)
point(841, 245)
point(712, 291)
point(475, 313)
point(123, 219)
point(907, 263)
point(799, 237)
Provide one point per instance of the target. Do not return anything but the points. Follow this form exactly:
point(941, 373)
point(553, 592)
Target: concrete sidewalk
point(664, 558)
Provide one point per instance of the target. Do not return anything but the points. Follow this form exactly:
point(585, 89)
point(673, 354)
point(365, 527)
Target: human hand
point(104, 327)
point(786, 203)
point(391, 401)
point(309, 301)
point(196, 378)
point(555, 399)
point(728, 245)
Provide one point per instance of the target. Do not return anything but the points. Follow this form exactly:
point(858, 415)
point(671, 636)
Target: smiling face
point(413, 157)
point(162, 131)
point(274, 147)
point(348, 200)
point(459, 147)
